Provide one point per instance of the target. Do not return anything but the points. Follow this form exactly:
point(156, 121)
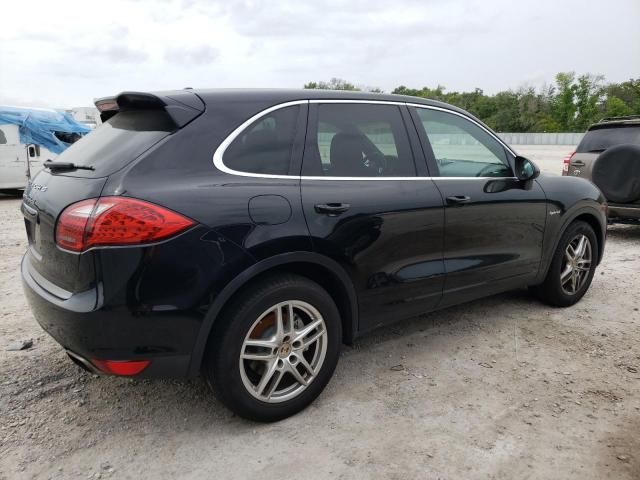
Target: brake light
point(116, 221)
point(566, 161)
point(121, 367)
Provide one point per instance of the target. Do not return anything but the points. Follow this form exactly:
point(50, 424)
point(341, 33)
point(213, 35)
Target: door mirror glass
point(526, 169)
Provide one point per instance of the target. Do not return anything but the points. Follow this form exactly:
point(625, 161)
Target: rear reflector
point(116, 221)
point(121, 367)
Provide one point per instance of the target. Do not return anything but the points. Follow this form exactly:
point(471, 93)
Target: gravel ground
point(500, 388)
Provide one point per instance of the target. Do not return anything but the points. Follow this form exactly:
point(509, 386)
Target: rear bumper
point(88, 331)
point(624, 213)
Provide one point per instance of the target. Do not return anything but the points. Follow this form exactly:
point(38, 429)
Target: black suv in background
point(246, 234)
point(609, 155)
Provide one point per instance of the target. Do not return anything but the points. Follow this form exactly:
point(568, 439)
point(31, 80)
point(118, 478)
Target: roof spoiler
point(182, 106)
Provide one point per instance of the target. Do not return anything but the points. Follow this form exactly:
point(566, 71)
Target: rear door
point(366, 208)
point(494, 223)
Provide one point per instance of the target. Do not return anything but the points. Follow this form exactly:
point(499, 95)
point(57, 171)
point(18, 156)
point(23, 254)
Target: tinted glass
point(3, 138)
point(461, 148)
point(266, 145)
point(359, 140)
point(598, 140)
point(117, 142)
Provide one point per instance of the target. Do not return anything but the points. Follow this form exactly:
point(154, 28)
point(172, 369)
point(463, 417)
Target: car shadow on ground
point(10, 196)
point(111, 403)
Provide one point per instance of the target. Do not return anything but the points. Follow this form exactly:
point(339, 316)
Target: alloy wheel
point(283, 351)
point(576, 264)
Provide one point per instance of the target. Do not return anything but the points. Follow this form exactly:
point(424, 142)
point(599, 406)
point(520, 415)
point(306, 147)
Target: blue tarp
point(38, 126)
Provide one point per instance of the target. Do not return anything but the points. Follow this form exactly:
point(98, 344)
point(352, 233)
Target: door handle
point(332, 209)
point(578, 163)
point(458, 199)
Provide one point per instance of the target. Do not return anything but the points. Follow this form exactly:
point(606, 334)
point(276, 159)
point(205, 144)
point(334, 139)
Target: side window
point(3, 138)
point(461, 148)
point(266, 145)
point(359, 140)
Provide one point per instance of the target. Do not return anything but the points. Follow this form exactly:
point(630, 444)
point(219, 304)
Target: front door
point(367, 209)
point(494, 224)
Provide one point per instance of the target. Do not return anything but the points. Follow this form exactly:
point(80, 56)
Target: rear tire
point(262, 365)
point(572, 267)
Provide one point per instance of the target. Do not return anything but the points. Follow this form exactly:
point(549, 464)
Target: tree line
point(570, 104)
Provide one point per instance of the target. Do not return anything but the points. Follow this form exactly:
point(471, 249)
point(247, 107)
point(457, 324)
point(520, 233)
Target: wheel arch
point(589, 214)
point(593, 221)
point(318, 268)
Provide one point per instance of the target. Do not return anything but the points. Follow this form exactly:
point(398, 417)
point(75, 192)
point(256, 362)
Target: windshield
point(599, 139)
point(117, 142)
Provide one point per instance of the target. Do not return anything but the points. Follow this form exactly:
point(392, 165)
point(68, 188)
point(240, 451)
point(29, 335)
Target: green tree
point(589, 93)
point(333, 84)
point(570, 104)
point(563, 106)
point(615, 107)
point(628, 92)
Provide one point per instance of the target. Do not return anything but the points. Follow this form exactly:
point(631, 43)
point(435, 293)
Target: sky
point(66, 53)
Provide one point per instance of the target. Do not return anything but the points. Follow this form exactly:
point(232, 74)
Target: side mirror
point(526, 169)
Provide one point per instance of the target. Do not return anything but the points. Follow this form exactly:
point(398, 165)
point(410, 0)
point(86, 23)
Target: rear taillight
point(566, 161)
point(116, 221)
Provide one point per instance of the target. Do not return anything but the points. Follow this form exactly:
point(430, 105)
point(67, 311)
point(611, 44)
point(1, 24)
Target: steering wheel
point(376, 161)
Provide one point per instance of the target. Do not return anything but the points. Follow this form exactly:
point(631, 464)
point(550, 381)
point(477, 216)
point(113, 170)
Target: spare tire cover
point(617, 173)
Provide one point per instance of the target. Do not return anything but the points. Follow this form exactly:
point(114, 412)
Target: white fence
point(560, 138)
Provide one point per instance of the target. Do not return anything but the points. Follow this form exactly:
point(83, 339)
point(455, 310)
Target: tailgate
point(59, 272)
point(581, 164)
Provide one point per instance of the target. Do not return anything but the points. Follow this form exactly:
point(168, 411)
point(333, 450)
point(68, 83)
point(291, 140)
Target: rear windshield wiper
point(62, 166)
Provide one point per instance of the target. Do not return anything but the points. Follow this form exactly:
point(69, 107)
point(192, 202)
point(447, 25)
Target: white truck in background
point(14, 169)
point(31, 136)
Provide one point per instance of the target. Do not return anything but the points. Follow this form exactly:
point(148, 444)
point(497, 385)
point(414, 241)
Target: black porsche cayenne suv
point(246, 234)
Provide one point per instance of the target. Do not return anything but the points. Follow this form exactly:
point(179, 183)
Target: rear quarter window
point(599, 139)
point(265, 146)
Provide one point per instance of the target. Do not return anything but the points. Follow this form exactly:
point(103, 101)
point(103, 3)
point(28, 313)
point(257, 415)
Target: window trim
point(218, 155)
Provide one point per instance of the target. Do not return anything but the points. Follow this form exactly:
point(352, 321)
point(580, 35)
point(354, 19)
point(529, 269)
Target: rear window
point(117, 142)
point(599, 139)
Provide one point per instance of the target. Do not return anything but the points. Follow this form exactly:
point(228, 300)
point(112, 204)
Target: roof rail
point(620, 119)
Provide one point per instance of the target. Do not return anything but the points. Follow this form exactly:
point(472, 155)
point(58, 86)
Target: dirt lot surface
point(501, 388)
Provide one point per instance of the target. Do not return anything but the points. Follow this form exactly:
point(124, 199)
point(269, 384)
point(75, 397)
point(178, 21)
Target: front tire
point(572, 267)
point(274, 348)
